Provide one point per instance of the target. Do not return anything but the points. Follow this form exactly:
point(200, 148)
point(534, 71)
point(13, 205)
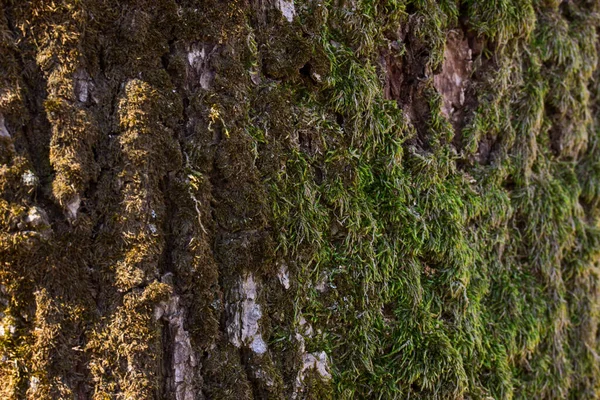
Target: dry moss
point(133, 371)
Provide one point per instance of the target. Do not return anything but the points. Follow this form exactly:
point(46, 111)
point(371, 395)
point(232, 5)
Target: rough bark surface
point(305, 199)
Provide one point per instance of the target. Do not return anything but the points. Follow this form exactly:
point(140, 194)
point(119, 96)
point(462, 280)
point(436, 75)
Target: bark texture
point(299, 199)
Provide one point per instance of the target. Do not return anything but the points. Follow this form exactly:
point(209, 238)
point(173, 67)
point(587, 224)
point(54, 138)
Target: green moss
point(314, 387)
point(225, 377)
point(431, 262)
point(427, 257)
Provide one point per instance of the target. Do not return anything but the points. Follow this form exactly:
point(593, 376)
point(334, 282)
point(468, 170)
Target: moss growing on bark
point(403, 237)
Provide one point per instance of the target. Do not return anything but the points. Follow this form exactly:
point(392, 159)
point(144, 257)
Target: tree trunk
point(299, 199)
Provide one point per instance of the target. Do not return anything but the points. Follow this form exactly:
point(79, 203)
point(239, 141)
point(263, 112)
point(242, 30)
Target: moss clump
point(146, 145)
point(57, 29)
point(134, 371)
point(421, 253)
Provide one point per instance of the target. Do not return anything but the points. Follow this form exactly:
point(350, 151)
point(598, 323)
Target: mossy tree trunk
point(299, 199)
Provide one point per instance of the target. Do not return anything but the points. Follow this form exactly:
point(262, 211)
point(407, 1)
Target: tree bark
point(299, 199)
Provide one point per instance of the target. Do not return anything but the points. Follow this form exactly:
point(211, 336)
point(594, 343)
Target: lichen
point(185, 366)
point(245, 315)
